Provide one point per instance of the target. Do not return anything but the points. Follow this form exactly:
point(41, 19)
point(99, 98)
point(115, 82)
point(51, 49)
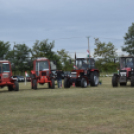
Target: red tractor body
point(84, 74)
point(42, 73)
point(6, 78)
point(126, 72)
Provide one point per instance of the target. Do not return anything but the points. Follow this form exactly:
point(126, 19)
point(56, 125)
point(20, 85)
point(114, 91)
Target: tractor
point(84, 74)
point(125, 72)
point(6, 78)
point(42, 72)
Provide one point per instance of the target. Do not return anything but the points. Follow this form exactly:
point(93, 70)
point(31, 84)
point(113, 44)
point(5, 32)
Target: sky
point(67, 22)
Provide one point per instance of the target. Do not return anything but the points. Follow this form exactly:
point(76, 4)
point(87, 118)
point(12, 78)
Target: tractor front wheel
point(132, 81)
point(66, 83)
point(53, 84)
point(16, 86)
point(83, 83)
point(115, 81)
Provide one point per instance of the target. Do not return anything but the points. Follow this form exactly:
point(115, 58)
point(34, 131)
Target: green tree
point(106, 54)
point(4, 48)
point(65, 59)
point(129, 41)
point(20, 56)
point(43, 49)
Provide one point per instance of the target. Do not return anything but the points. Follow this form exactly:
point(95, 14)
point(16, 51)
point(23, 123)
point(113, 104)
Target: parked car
point(19, 78)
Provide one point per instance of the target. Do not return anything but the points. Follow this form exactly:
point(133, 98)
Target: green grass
point(92, 110)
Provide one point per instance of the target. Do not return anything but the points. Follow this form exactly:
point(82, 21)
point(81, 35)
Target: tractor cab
point(42, 66)
point(85, 63)
point(5, 71)
point(6, 76)
point(126, 62)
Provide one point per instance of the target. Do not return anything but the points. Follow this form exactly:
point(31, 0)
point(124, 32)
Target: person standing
point(59, 78)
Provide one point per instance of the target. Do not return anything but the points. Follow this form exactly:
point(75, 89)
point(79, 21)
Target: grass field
point(92, 110)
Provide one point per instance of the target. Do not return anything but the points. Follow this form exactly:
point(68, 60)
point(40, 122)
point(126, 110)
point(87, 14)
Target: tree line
point(21, 55)
point(108, 52)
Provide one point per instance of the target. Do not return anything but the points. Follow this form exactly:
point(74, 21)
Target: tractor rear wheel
point(16, 86)
point(115, 81)
point(132, 81)
point(94, 79)
point(34, 84)
point(83, 83)
point(66, 83)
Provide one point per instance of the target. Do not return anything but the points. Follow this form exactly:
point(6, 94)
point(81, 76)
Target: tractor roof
point(3, 61)
point(127, 57)
point(41, 59)
point(83, 58)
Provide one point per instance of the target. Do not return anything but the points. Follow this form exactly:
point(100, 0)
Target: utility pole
point(88, 45)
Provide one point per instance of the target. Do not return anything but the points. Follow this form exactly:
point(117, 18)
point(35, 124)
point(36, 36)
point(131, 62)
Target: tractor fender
point(95, 70)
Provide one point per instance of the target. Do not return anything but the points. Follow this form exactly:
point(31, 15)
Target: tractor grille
point(43, 74)
point(73, 74)
point(123, 73)
point(5, 75)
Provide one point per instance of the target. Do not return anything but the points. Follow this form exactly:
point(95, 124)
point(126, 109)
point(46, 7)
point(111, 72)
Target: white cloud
point(68, 22)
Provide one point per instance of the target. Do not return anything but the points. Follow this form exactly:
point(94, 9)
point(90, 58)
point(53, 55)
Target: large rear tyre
point(115, 81)
point(132, 81)
point(34, 84)
point(16, 86)
point(94, 79)
point(66, 83)
point(83, 83)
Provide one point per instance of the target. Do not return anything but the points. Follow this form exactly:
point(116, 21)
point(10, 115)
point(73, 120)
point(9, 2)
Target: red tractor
point(6, 78)
point(125, 73)
point(83, 74)
point(42, 73)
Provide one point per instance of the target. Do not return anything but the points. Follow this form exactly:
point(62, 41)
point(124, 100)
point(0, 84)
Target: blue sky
point(67, 22)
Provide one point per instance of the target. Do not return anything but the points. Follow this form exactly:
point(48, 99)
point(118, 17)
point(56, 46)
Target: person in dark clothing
point(59, 78)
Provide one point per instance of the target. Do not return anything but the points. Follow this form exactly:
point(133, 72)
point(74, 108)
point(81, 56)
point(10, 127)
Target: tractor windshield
point(126, 62)
point(42, 66)
point(85, 63)
point(4, 67)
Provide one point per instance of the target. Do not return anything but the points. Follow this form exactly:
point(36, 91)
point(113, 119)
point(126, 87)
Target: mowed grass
point(92, 110)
